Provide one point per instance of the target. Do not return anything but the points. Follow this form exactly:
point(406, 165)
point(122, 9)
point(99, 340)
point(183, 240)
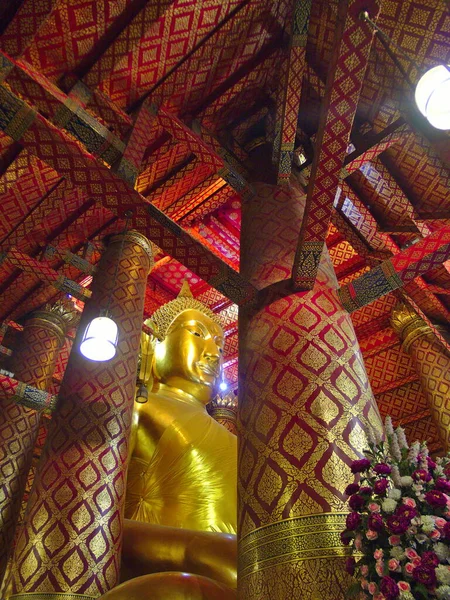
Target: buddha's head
point(188, 355)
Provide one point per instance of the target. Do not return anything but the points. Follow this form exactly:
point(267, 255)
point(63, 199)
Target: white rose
point(395, 494)
point(443, 592)
point(397, 552)
point(406, 481)
point(428, 524)
point(442, 550)
point(389, 505)
point(443, 574)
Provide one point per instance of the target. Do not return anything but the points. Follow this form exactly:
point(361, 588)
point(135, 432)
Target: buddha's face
point(190, 357)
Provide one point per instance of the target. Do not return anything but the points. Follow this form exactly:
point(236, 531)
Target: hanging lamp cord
point(128, 216)
point(364, 16)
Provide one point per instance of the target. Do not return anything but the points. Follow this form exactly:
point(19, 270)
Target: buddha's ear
point(149, 337)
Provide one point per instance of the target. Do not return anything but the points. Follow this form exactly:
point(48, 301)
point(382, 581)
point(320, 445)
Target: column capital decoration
point(408, 325)
point(136, 237)
point(59, 317)
point(224, 406)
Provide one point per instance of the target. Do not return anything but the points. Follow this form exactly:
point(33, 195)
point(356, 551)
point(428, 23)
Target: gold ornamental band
point(51, 596)
point(296, 539)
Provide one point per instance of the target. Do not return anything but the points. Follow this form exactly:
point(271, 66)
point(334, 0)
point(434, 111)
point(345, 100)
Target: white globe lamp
point(100, 339)
point(433, 96)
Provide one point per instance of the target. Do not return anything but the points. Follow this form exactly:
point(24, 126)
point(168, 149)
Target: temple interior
point(222, 160)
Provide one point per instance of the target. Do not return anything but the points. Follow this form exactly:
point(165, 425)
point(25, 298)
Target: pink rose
point(404, 586)
point(409, 502)
point(440, 522)
point(371, 535)
point(358, 542)
point(379, 596)
point(393, 564)
point(364, 584)
point(374, 507)
point(364, 570)
point(409, 568)
point(378, 554)
point(373, 588)
point(435, 534)
point(416, 561)
point(394, 540)
point(379, 568)
point(411, 553)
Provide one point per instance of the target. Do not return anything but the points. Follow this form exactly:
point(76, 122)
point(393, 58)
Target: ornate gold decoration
point(311, 539)
point(408, 325)
point(39, 596)
point(165, 315)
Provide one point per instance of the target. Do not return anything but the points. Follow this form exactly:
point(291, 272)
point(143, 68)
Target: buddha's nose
point(211, 353)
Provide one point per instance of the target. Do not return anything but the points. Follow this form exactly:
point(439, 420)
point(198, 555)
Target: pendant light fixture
point(101, 336)
point(432, 92)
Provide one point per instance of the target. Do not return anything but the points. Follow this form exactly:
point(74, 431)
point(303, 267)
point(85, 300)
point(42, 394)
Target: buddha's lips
point(208, 369)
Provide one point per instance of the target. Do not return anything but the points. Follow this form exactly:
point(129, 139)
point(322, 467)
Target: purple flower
point(398, 524)
point(382, 469)
point(435, 498)
point(389, 588)
point(409, 512)
point(443, 485)
point(358, 466)
point(365, 491)
point(446, 531)
point(429, 559)
point(350, 565)
point(380, 487)
point(431, 464)
point(352, 488)
point(352, 521)
point(421, 475)
point(425, 574)
point(375, 522)
point(356, 502)
point(345, 537)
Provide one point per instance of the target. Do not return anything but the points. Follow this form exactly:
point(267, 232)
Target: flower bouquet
point(399, 527)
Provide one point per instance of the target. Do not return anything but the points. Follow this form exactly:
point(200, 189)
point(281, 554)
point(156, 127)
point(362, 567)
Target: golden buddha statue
point(181, 504)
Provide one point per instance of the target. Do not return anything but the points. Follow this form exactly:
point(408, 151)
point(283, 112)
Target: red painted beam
point(346, 71)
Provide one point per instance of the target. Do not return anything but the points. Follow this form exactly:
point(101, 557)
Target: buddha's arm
point(151, 548)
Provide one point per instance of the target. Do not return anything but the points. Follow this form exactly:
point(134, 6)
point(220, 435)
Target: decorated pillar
point(432, 363)
point(305, 403)
point(224, 410)
point(33, 362)
point(69, 546)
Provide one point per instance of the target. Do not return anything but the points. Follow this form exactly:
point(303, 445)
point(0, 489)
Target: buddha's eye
point(221, 350)
point(196, 333)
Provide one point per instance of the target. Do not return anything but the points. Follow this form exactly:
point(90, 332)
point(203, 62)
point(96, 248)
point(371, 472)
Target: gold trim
point(223, 412)
point(51, 596)
point(297, 539)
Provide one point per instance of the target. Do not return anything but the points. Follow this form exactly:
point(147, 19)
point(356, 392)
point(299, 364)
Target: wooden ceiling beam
point(70, 159)
point(20, 21)
point(41, 270)
point(346, 71)
point(293, 68)
point(208, 153)
point(397, 271)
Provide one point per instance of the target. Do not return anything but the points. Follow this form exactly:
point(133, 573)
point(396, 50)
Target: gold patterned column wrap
point(33, 362)
point(432, 363)
point(305, 404)
point(69, 546)
point(224, 411)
